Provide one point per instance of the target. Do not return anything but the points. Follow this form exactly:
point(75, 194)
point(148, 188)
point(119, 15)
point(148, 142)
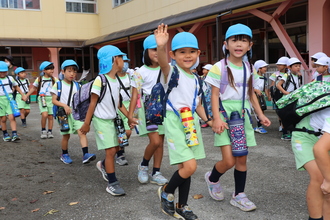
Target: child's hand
point(219, 126)
point(85, 128)
point(161, 35)
point(24, 98)
point(258, 92)
point(264, 120)
point(67, 110)
point(325, 187)
point(132, 122)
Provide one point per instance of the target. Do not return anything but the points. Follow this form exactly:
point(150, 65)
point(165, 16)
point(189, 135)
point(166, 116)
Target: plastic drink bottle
point(14, 108)
point(43, 99)
point(237, 135)
point(189, 127)
point(121, 133)
point(63, 120)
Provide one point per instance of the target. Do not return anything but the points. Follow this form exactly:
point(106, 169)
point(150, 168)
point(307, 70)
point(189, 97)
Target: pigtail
point(230, 74)
point(250, 83)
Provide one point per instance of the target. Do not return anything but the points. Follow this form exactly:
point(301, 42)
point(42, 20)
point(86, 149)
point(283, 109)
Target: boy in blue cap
point(103, 114)
point(7, 83)
point(67, 89)
point(43, 84)
point(24, 83)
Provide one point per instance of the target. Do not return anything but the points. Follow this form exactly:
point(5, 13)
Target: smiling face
point(185, 57)
point(238, 46)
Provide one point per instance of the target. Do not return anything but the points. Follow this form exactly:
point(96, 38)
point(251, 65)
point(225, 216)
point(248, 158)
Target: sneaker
point(204, 125)
point(286, 137)
point(280, 128)
point(15, 138)
point(50, 134)
point(6, 137)
point(260, 130)
point(121, 161)
point(158, 179)
point(24, 125)
point(242, 202)
point(166, 201)
point(143, 176)
point(101, 168)
point(88, 158)
point(43, 135)
point(65, 158)
point(215, 189)
point(115, 189)
point(184, 213)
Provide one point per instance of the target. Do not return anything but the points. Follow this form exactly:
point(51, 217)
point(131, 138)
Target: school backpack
point(275, 93)
point(81, 99)
point(59, 92)
point(42, 82)
point(310, 98)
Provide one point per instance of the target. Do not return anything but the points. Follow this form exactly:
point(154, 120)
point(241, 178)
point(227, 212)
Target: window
point(82, 6)
point(20, 4)
point(22, 56)
point(119, 2)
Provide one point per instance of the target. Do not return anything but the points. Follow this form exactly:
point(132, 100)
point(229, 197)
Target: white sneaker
point(158, 179)
point(121, 161)
point(43, 135)
point(50, 134)
point(143, 176)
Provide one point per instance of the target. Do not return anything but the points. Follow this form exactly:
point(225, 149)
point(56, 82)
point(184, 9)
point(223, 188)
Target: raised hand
point(161, 35)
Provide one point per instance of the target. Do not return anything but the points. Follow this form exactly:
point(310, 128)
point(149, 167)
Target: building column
point(54, 58)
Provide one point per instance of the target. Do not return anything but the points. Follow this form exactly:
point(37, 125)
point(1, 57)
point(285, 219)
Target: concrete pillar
point(54, 58)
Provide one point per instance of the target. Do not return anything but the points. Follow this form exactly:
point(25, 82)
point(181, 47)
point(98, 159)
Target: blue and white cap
point(3, 66)
point(238, 29)
point(19, 69)
point(184, 39)
point(69, 63)
point(105, 55)
point(149, 42)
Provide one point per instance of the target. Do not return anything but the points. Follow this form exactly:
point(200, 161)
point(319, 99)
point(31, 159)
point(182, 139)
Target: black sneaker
point(166, 201)
point(185, 213)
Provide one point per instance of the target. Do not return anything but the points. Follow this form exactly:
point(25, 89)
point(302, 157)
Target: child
point(260, 85)
point(103, 114)
point(24, 83)
point(238, 42)
point(142, 82)
point(125, 93)
point(314, 58)
point(185, 52)
point(317, 167)
point(11, 66)
point(43, 84)
point(68, 89)
point(5, 109)
point(207, 92)
point(281, 70)
point(292, 82)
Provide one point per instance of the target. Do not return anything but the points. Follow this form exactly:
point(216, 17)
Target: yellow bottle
point(189, 127)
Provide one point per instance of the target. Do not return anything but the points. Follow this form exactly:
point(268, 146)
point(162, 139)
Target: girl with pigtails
point(232, 90)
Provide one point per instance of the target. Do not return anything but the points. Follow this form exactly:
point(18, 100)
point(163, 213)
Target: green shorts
point(125, 119)
point(74, 125)
point(105, 133)
point(302, 144)
point(142, 124)
point(5, 108)
point(21, 104)
point(223, 138)
point(49, 107)
point(178, 150)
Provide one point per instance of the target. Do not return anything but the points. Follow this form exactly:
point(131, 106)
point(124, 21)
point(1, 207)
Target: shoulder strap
point(173, 82)
point(319, 78)
point(10, 82)
point(77, 85)
point(70, 94)
point(122, 86)
point(39, 84)
point(104, 82)
point(59, 90)
point(200, 81)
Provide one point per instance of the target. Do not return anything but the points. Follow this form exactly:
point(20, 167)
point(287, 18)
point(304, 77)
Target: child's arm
point(321, 152)
point(161, 36)
point(279, 86)
point(132, 106)
point(257, 91)
point(218, 125)
point(24, 97)
point(202, 114)
point(86, 126)
point(31, 90)
point(67, 109)
point(255, 103)
point(123, 109)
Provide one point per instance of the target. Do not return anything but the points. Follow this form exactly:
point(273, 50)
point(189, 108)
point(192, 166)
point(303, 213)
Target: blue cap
point(184, 39)
point(105, 55)
point(69, 63)
point(3, 66)
point(19, 69)
point(44, 64)
point(150, 42)
point(238, 29)
point(125, 58)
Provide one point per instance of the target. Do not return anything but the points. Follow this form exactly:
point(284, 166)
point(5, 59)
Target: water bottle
point(189, 127)
point(14, 108)
point(121, 133)
point(237, 135)
point(43, 99)
point(63, 119)
point(28, 100)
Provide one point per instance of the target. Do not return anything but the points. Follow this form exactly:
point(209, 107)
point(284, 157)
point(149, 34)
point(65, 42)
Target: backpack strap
point(200, 81)
point(304, 129)
point(173, 82)
point(122, 86)
point(59, 90)
point(103, 87)
point(319, 78)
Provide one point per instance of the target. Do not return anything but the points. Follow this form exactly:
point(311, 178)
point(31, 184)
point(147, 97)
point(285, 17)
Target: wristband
point(210, 119)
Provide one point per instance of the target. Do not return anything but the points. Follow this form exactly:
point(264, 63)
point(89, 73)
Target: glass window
point(20, 4)
point(119, 2)
point(82, 6)
point(22, 56)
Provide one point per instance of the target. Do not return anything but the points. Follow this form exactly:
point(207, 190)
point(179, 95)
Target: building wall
point(129, 14)
point(50, 22)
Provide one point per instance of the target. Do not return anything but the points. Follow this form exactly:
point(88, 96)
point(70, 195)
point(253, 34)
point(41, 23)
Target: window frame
point(81, 2)
point(24, 6)
point(115, 4)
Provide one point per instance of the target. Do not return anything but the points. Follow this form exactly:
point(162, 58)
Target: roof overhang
point(192, 16)
point(21, 42)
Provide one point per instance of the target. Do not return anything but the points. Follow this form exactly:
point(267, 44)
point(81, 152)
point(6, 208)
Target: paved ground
point(32, 166)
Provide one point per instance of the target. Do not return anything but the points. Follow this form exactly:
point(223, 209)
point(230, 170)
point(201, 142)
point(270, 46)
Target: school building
point(36, 30)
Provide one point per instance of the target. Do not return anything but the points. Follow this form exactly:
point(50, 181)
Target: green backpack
point(310, 98)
